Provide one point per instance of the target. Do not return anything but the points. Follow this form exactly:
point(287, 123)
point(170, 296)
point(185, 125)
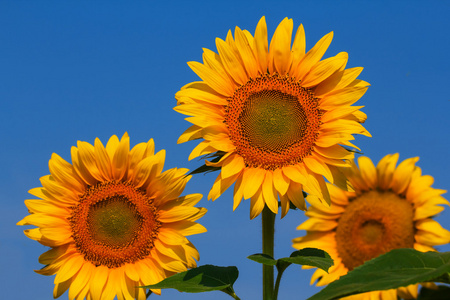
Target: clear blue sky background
point(76, 70)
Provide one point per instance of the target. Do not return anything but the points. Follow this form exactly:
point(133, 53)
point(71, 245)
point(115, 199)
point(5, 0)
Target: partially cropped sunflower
point(391, 207)
point(277, 116)
point(114, 220)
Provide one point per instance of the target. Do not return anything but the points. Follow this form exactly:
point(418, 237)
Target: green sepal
point(213, 157)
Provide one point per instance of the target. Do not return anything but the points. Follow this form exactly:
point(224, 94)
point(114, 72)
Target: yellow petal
point(316, 186)
point(53, 254)
point(345, 126)
point(99, 278)
point(337, 81)
point(285, 205)
point(188, 200)
point(61, 288)
point(216, 81)
point(81, 280)
point(402, 175)
point(280, 48)
point(232, 166)
point(47, 207)
point(316, 224)
point(261, 45)
point(431, 232)
point(192, 133)
point(269, 193)
point(295, 195)
point(201, 149)
point(180, 213)
point(335, 152)
point(221, 185)
point(339, 112)
point(280, 181)
point(213, 61)
point(313, 56)
point(69, 268)
point(102, 159)
point(385, 170)
point(80, 168)
point(244, 48)
point(171, 237)
point(168, 263)
point(252, 180)
point(200, 109)
point(294, 173)
point(112, 145)
point(238, 193)
point(256, 204)
point(202, 92)
point(298, 47)
point(86, 156)
point(63, 172)
point(345, 96)
point(113, 281)
point(148, 169)
point(231, 63)
point(408, 292)
point(186, 228)
point(368, 171)
point(318, 167)
point(332, 138)
point(120, 158)
point(324, 69)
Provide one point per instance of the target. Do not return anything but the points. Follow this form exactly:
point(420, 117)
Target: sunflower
point(114, 220)
point(391, 207)
point(276, 118)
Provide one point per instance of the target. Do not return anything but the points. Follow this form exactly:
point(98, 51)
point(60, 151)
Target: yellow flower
point(277, 116)
point(391, 207)
point(113, 220)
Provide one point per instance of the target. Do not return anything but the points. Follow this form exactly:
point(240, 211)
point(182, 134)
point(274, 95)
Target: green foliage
point(202, 279)
point(308, 257)
point(263, 259)
point(400, 267)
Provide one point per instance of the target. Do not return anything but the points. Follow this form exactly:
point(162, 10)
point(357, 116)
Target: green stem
point(148, 294)
point(231, 293)
point(268, 232)
point(277, 283)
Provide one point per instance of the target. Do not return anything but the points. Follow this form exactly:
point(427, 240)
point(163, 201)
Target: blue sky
point(76, 70)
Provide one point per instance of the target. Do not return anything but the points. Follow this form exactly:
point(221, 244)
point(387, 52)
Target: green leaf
point(263, 259)
point(202, 279)
point(441, 293)
point(310, 257)
point(400, 267)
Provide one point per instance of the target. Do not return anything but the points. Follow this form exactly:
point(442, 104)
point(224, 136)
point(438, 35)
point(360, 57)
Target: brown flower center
point(113, 224)
point(372, 224)
point(273, 121)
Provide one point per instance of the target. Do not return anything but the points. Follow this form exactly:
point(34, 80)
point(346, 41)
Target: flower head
point(113, 219)
point(391, 207)
point(277, 116)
